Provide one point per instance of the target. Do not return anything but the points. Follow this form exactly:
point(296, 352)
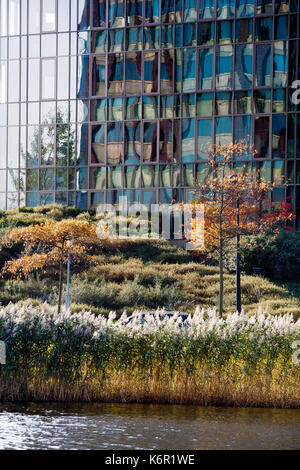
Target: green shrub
point(277, 255)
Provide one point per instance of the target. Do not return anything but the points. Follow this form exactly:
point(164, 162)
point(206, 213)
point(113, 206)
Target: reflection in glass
point(134, 108)
point(261, 136)
point(150, 176)
point(223, 127)
point(223, 103)
point(133, 73)
point(242, 130)
point(151, 72)
point(98, 144)
point(166, 141)
point(132, 177)
point(280, 64)
point(262, 101)
point(166, 72)
point(99, 13)
point(99, 74)
point(206, 8)
point(150, 107)
point(115, 109)
point(264, 29)
point(151, 11)
point(151, 37)
point(205, 69)
point(188, 140)
point(47, 145)
point(48, 15)
point(114, 143)
point(134, 12)
point(134, 39)
point(225, 8)
point(204, 104)
point(132, 139)
point(46, 179)
point(167, 11)
point(243, 66)
point(263, 65)
point(279, 97)
point(244, 8)
point(116, 12)
point(278, 135)
point(242, 102)
point(166, 106)
point(189, 10)
point(167, 36)
point(13, 147)
point(243, 31)
point(188, 105)
point(48, 79)
point(150, 142)
point(206, 32)
point(263, 6)
point(189, 70)
point(204, 138)
point(224, 67)
point(224, 32)
point(115, 74)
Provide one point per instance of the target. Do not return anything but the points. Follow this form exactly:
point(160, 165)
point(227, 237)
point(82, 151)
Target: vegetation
point(131, 274)
point(238, 361)
point(48, 245)
point(235, 204)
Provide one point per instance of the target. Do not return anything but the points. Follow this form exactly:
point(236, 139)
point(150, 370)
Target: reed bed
point(236, 361)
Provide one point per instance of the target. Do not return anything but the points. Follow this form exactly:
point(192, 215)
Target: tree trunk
point(221, 282)
point(60, 285)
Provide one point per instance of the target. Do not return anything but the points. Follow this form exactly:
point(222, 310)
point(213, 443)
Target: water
point(162, 427)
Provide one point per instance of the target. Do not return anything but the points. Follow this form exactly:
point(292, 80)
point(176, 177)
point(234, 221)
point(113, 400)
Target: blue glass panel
point(244, 8)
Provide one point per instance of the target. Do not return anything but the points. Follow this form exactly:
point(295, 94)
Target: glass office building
point(107, 98)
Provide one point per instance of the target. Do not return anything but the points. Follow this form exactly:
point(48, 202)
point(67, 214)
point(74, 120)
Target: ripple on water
point(169, 427)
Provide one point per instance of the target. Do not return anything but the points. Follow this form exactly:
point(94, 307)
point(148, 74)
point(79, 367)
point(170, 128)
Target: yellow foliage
point(50, 244)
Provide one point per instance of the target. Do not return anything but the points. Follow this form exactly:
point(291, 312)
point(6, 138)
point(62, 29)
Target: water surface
point(162, 427)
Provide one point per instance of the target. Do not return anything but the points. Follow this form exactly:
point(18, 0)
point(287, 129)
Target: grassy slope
point(146, 275)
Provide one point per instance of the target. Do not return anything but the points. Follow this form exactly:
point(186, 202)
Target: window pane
point(280, 63)
point(261, 137)
point(263, 65)
point(49, 15)
point(133, 66)
point(205, 69)
point(188, 140)
point(150, 72)
point(224, 67)
point(204, 132)
point(189, 70)
point(48, 79)
point(243, 66)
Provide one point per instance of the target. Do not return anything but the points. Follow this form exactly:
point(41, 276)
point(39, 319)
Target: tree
point(49, 245)
point(236, 203)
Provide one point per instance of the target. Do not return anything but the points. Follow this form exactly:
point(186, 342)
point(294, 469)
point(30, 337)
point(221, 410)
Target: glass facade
point(104, 98)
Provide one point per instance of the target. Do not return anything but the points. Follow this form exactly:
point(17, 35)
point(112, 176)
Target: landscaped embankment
point(236, 361)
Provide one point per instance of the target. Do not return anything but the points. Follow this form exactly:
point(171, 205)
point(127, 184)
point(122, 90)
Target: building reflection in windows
point(151, 72)
point(115, 141)
point(150, 142)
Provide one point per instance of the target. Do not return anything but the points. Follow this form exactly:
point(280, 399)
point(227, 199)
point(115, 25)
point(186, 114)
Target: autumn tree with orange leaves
point(235, 203)
point(49, 245)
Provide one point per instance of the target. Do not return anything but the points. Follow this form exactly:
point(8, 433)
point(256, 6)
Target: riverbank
point(236, 361)
point(228, 386)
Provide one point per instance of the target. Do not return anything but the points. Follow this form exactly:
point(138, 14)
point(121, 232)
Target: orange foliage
point(49, 244)
point(225, 188)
